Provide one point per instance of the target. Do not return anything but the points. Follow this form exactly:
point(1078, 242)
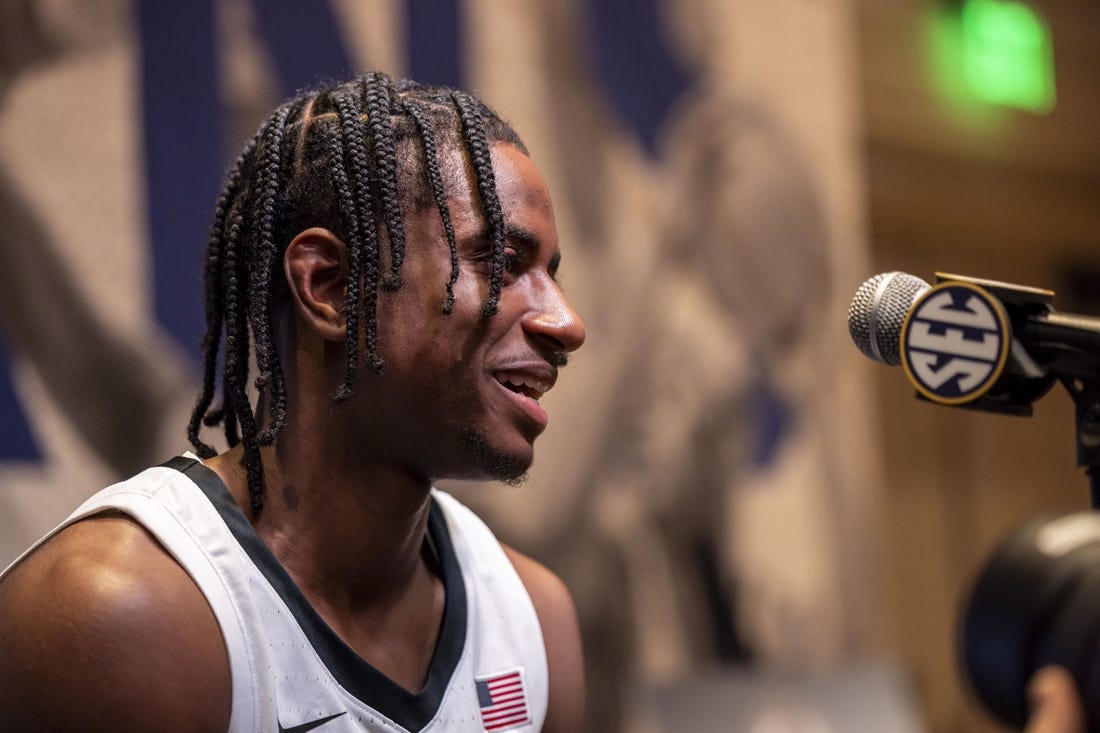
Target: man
point(384, 253)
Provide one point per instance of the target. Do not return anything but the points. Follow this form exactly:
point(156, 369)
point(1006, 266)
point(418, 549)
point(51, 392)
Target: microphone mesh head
point(878, 312)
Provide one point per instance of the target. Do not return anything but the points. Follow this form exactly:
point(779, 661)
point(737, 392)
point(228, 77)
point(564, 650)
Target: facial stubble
point(495, 463)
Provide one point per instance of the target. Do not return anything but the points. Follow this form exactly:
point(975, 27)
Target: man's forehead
point(452, 170)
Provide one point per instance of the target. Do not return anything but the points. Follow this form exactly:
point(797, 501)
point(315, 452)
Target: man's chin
point(496, 464)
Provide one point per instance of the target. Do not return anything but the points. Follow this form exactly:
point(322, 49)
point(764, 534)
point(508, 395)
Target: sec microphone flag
point(503, 700)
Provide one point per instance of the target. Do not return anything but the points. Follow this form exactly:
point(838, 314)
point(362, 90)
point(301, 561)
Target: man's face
point(459, 396)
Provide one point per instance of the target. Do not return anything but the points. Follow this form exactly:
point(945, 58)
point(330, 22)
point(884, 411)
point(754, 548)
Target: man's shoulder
point(101, 623)
point(551, 598)
point(561, 636)
point(102, 556)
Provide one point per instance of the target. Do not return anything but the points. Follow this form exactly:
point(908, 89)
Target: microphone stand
point(1048, 345)
point(1087, 401)
point(1071, 345)
point(1088, 442)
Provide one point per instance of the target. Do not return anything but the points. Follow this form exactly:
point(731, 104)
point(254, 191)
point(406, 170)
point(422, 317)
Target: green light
point(995, 52)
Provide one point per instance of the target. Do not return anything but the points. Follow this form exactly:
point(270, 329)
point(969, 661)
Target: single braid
point(228, 413)
point(234, 265)
point(377, 94)
point(370, 252)
point(435, 179)
point(266, 250)
point(211, 341)
point(229, 318)
point(340, 138)
point(473, 128)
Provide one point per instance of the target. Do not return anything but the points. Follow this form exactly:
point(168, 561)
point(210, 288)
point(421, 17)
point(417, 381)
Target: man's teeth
point(529, 386)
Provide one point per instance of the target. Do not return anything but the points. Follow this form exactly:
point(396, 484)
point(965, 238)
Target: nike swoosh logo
point(310, 725)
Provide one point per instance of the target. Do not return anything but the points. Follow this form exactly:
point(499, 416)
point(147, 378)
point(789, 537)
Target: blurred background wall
point(738, 501)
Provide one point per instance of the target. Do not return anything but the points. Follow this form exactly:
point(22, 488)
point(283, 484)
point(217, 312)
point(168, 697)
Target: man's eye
point(512, 260)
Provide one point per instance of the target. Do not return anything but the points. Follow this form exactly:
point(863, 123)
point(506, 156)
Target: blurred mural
point(707, 484)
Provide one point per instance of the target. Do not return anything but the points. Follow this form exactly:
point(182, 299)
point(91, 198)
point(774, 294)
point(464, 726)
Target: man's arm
point(101, 630)
point(561, 634)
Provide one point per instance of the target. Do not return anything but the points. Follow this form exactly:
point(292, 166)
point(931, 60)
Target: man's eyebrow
point(519, 234)
point(512, 232)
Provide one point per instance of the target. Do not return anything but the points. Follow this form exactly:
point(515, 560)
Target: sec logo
point(954, 343)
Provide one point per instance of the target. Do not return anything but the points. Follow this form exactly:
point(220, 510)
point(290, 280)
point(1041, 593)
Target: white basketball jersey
point(291, 673)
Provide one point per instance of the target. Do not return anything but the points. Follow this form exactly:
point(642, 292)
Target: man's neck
point(347, 534)
point(356, 547)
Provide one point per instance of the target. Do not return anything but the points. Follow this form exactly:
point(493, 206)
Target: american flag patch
point(503, 700)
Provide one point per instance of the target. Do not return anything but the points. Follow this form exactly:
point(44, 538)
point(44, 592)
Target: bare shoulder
point(101, 629)
point(561, 634)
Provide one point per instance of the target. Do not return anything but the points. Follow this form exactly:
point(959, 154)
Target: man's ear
point(316, 264)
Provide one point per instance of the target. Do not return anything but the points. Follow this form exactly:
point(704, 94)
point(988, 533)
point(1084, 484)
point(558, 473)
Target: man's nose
point(554, 321)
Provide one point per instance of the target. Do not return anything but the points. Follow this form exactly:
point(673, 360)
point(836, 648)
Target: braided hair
point(350, 157)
